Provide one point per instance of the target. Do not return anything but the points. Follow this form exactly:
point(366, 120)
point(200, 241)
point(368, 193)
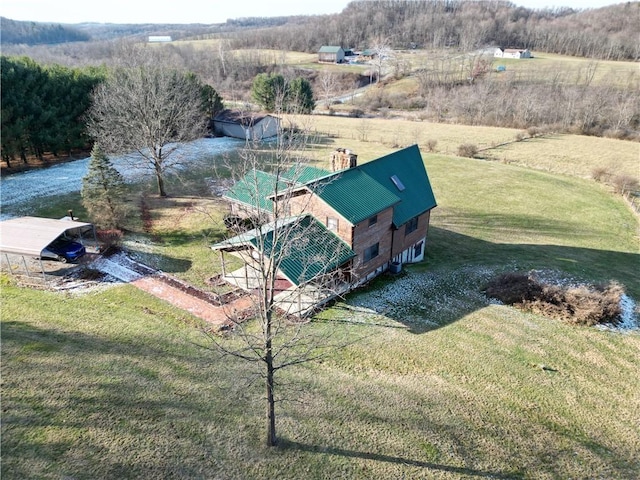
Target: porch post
point(224, 268)
point(26, 269)
point(6, 256)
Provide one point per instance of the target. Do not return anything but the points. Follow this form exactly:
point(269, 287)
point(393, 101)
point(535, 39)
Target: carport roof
point(30, 235)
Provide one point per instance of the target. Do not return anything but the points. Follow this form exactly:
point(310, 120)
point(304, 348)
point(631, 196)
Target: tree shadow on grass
point(67, 394)
point(378, 457)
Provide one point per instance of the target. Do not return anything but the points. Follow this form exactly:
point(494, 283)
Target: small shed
point(246, 125)
point(368, 54)
point(331, 54)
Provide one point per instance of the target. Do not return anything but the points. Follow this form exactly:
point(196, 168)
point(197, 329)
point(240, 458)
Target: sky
point(199, 11)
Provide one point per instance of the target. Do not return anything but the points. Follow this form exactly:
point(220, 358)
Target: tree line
point(32, 33)
point(42, 107)
point(607, 33)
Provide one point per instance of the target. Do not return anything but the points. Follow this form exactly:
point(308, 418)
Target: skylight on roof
point(396, 181)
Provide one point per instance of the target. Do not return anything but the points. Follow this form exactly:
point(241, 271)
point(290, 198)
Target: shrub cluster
point(581, 305)
point(469, 150)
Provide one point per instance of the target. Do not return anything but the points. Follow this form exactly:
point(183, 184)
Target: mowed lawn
point(440, 382)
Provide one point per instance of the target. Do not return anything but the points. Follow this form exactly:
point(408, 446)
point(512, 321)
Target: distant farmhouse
point(354, 223)
point(159, 38)
point(511, 53)
point(246, 125)
point(331, 54)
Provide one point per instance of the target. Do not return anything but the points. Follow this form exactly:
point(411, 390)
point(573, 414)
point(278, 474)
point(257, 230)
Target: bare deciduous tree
point(383, 54)
point(290, 263)
point(328, 84)
point(145, 112)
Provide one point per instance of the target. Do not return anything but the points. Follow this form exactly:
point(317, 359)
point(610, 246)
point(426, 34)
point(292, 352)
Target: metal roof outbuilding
point(30, 235)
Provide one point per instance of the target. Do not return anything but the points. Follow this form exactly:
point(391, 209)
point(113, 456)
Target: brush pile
point(580, 305)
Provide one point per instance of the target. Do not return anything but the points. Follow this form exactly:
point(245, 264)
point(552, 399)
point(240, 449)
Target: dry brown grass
point(580, 305)
point(574, 155)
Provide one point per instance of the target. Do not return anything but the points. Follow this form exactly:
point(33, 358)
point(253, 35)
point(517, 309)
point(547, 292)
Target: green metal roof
point(253, 190)
point(354, 194)
point(303, 174)
point(407, 166)
point(329, 49)
point(397, 180)
point(302, 246)
point(256, 187)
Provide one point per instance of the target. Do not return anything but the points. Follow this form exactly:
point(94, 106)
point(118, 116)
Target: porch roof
point(302, 247)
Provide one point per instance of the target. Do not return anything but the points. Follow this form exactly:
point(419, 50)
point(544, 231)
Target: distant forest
point(32, 33)
point(608, 33)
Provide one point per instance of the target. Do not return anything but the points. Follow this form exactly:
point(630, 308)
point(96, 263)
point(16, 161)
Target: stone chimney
point(342, 159)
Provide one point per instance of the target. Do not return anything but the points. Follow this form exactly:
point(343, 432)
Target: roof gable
point(303, 174)
point(256, 188)
point(246, 119)
point(407, 166)
point(329, 49)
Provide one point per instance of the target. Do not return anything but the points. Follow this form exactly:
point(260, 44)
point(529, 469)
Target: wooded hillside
point(34, 33)
point(605, 33)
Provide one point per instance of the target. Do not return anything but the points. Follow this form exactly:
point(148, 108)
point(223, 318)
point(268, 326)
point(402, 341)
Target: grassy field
point(574, 155)
point(542, 67)
point(441, 383)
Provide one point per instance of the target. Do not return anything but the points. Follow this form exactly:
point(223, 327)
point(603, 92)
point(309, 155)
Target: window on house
point(417, 249)
point(373, 220)
point(371, 252)
point(332, 224)
point(412, 226)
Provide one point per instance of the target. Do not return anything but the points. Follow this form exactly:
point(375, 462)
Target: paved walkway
point(127, 270)
point(212, 314)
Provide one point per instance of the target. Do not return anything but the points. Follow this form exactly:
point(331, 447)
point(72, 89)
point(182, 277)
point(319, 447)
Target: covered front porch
point(310, 263)
point(290, 299)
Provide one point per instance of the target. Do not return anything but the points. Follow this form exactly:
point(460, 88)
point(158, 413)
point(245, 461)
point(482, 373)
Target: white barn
point(511, 53)
point(159, 38)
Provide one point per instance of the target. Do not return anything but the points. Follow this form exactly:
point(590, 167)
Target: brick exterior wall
point(402, 242)
point(312, 204)
point(364, 236)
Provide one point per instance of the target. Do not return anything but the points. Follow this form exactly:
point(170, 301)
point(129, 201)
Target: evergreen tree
point(269, 91)
point(300, 96)
point(103, 191)
point(273, 94)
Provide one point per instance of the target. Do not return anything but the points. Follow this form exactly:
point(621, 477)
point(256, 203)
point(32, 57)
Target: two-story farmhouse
point(364, 219)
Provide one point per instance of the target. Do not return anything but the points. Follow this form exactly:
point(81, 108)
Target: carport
point(28, 236)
